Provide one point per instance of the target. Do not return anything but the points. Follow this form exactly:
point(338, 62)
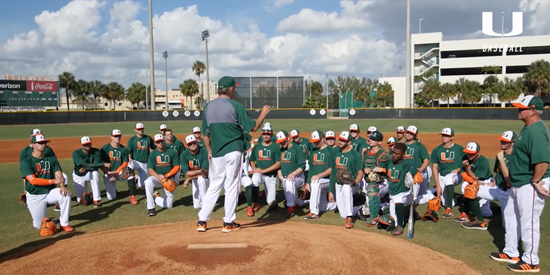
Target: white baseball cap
point(116, 132)
point(36, 132)
point(412, 130)
point(294, 133)
point(391, 141)
point(85, 140)
point(472, 148)
point(354, 128)
point(400, 129)
point(330, 134)
point(163, 127)
point(190, 138)
point(196, 129)
point(508, 136)
point(267, 124)
point(139, 126)
point(316, 136)
point(281, 137)
point(267, 130)
point(372, 129)
point(447, 132)
point(158, 137)
point(39, 138)
point(344, 136)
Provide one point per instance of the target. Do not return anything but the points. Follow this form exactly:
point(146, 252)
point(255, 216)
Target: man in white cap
point(193, 161)
point(400, 134)
point(273, 137)
point(87, 161)
point(162, 164)
point(357, 142)
point(139, 148)
point(162, 128)
point(330, 139)
point(198, 136)
point(418, 154)
point(371, 130)
point(304, 144)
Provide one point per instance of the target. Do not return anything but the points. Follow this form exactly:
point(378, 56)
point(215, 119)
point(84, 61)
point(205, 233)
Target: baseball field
point(119, 237)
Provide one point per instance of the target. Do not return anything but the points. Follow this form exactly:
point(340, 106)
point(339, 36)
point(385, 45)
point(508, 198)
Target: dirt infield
point(284, 248)
point(63, 147)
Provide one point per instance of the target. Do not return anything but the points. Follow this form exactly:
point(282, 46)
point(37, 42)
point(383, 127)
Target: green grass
point(446, 236)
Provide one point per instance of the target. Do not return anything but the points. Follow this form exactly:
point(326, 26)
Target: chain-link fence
point(277, 92)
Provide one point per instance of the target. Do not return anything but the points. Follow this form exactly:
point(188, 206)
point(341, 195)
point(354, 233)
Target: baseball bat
point(410, 226)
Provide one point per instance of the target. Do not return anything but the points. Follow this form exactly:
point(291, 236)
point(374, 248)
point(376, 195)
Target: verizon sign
point(13, 85)
point(42, 86)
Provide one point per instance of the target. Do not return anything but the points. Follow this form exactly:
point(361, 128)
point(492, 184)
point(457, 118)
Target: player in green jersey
point(139, 147)
point(345, 159)
point(357, 141)
point(475, 169)
point(175, 144)
point(304, 144)
point(446, 161)
point(330, 139)
point(402, 175)
point(87, 162)
point(198, 136)
point(400, 134)
point(273, 137)
point(293, 164)
point(192, 161)
point(265, 162)
point(418, 153)
point(162, 163)
point(391, 143)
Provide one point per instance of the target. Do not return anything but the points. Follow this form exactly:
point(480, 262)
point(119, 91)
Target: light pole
point(205, 35)
point(420, 25)
point(408, 96)
point(165, 55)
point(146, 94)
point(151, 57)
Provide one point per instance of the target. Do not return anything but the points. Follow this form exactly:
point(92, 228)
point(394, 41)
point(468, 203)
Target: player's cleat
point(448, 213)
point(349, 223)
point(249, 211)
point(56, 208)
point(133, 200)
point(67, 228)
point(475, 225)
point(201, 226)
point(363, 213)
point(463, 217)
point(398, 230)
point(503, 257)
point(228, 227)
point(272, 206)
point(371, 222)
point(255, 207)
point(310, 216)
point(97, 204)
point(151, 212)
point(521, 266)
point(290, 212)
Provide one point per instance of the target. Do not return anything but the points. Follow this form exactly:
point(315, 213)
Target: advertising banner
point(42, 86)
point(13, 85)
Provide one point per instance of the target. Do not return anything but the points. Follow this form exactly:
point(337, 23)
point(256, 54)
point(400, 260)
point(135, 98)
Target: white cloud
point(281, 3)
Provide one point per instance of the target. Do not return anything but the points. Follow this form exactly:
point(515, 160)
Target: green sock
point(131, 187)
point(255, 193)
point(474, 204)
point(466, 203)
point(449, 194)
point(248, 192)
point(400, 213)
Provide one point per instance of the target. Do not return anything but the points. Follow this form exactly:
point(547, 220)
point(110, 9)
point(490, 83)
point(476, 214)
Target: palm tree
point(96, 89)
point(460, 86)
point(113, 93)
point(432, 89)
point(199, 68)
point(448, 92)
point(509, 89)
point(384, 92)
point(189, 88)
point(68, 83)
point(538, 77)
point(136, 93)
point(490, 81)
point(472, 92)
point(82, 92)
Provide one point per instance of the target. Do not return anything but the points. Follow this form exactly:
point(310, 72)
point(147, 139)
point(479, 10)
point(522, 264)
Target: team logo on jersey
point(142, 145)
point(264, 154)
point(394, 174)
point(447, 156)
point(43, 167)
point(304, 147)
point(162, 159)
point(115, 155)
point(342, 161)
point(194, 164)
point(319, 157)
point(409, 152)
point(286, 156)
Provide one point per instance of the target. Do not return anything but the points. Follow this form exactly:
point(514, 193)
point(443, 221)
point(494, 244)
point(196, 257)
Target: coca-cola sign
point(42, 86)
point(13, 85)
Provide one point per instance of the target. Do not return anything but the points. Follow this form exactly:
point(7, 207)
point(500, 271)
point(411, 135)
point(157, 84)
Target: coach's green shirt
point(357, 143)
point(350, 161)
point(396, 173)
point(193, 161)
point(177, 146)
point(138, 147)
point(499, 178)
point(163, 162)
point(92, 160)
point(319, 161)
point(27, 152)
point(44, 168)
point(265, 156)
point(532, 146)
point(114, 156)
point(480, 167)
point(448, 159)
point(416, 152)
point(292, 158)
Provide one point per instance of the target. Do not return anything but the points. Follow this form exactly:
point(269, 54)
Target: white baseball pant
point(164, 201)
point(485, 197)
point(522, 220)
point(404, 198)
point(448, 181)
point(224, 172)
point(80, 185)
point(140, 169)
point(291, 190)
point(318, 201)
point(420, 191)
point(344, 200)
point(110, 186)
point(37, 205)
point(270, 183)
point(200, 185)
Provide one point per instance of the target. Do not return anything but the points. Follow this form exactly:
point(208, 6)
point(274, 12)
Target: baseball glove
point(23, 198)
point(374, 177)
point(204, 173)
point(470, 191)
point(126, 173)
point(345, 177)
point(168, 184)
point(86, 199)
point(48, 227)
point(430, 215)
point(434, 204)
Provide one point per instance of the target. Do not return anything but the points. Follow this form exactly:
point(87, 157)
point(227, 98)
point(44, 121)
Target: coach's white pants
point(270, 183)
point(318, 198)
point(403, 198)
point(291, 191)
point(200, 185)
point(167, 197)
point(485, 197)
point(37, 205)
point(140, 169)
point(110, 186)
point(421, 193)
point(81, 187)
point(224, 172)
point(522, 220)
point(448, 181)
point(344, 200)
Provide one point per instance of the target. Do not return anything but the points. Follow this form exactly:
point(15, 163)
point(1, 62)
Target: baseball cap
point(354, 128)
point(316, 136)
point(39, 138)
point(190, 139)
point(267, 130)
point(391, 141)
point(139, 126)
point(330, 134)
point(447, 132)
point(36, 132)
point(281, 136)
point(376, 136)
point(227, 82)
point(294, 133)
point(196, 129)
point(400, 129)
point(344, 136)
point(412, 130)
point(372, 129)
point(267, 124)
point(508, 136)
point(116, 132)
point(472, 148)
point(163, 127)
point(158, 137)
point(85, 140)
point(530, 102)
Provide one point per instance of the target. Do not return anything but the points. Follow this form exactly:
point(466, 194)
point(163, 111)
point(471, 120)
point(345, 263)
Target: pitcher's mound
point(283, 248)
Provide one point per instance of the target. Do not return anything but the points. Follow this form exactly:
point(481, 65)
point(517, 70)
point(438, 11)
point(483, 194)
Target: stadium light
point(408, 97)
point(151, 57)
point(205, 34)
point(165, 56)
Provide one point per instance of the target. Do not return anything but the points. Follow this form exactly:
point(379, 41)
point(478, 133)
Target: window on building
point(469, 53)
point(516, 69)
point(529, 50)
point(462, 71)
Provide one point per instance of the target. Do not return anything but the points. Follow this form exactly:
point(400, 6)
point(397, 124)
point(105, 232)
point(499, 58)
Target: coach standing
point(223, 123)
point(529, 181)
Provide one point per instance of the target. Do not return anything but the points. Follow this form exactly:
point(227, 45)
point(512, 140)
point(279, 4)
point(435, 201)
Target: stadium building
point(455, 59)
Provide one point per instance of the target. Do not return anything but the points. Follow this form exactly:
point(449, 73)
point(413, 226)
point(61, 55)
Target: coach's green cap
point(227, 82)
point(530, 102)
point(376, 136)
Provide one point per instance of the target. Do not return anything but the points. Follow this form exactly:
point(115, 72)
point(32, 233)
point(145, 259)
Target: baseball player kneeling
point(292, 171)
point(87, 161)
point(346, 174)
point(162, 166)
point(194, 167)
point(401, 180)
point(264, 162)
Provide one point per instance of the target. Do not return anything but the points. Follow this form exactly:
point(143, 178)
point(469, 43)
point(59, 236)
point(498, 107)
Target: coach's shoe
point(255, 207)
point(97, 204)
point(228, 227)
point(475, 225)
point(463, 217)
point(133, 200)
point(310, 216)
point(503, 257)
point(349, 223)
point(448, 213)
point(398, 230)
point(249, 211)
point(151, 212)
point(56, 208)
point(201, 226)
point(521, 266)
point(67, 228)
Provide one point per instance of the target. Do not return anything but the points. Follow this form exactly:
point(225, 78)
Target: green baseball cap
point(376, 136)
point(227, 82)
point(530, 102)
